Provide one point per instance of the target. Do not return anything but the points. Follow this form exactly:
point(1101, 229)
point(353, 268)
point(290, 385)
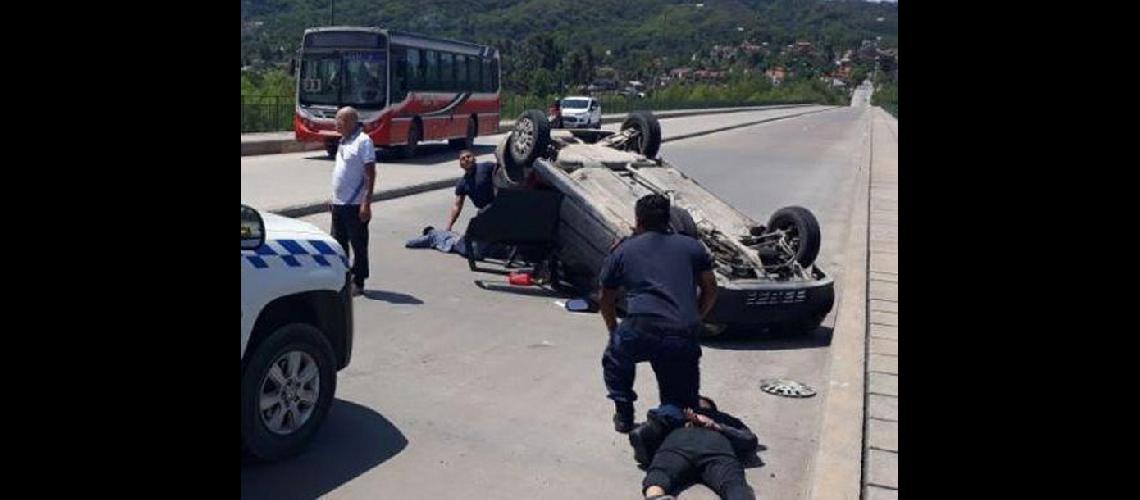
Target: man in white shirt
point(353, 183)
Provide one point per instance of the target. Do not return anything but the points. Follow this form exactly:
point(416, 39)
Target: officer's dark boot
point(623, 416)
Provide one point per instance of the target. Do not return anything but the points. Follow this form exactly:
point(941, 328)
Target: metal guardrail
point(266, 113)
point(275, 113)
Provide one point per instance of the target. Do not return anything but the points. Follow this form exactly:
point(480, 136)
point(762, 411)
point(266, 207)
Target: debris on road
point(787, 388)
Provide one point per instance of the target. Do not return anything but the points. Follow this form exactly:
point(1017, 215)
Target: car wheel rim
point(524, 137)
point(289, 392)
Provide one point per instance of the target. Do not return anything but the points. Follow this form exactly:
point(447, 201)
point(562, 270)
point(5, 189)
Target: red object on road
point(520, 279)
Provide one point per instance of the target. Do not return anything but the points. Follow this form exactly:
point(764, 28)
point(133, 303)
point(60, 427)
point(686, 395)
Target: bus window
point(431, 72)
point(486, 75)
point(399, 76)
point(446, 72)
point(365, 79)
point(473, 82)
point(415, 70)
point(320, 79)
point(494, 75)
point(460, 72)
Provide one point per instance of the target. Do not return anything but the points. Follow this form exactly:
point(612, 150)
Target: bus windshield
point(346, 78)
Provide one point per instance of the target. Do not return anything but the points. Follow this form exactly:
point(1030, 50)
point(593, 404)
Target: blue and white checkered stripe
point(293, 253)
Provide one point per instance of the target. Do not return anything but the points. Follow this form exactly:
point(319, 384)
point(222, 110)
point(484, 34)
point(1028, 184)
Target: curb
point(303, 210)
point(837, 470)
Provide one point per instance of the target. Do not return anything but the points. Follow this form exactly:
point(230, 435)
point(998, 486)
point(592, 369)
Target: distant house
point(680, 73)
point(751, 48)
point(869, 49)
point(724, 51)
point(709, 75)
point(777, 74)
point(606, 72)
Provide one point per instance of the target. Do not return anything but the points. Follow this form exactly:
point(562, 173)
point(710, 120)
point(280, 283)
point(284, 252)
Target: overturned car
point(766, 274)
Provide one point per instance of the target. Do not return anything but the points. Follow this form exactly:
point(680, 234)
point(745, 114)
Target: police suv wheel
point(286, 391)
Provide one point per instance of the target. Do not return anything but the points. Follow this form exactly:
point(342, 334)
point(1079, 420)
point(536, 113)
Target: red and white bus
point(408, 88)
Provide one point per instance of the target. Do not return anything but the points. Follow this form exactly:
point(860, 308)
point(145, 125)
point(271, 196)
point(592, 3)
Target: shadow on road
point(764, 341)
point(392, 297)
point(353, 440)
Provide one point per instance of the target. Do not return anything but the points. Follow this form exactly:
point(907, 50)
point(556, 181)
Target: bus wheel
point(468, 141)
point(415, 135)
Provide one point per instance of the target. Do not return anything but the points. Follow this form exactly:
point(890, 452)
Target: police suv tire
point(257, 439)
point(529, 137)
point(806, 229)
point(649, 142)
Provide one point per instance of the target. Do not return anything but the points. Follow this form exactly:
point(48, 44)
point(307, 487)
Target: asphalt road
point(460, 385)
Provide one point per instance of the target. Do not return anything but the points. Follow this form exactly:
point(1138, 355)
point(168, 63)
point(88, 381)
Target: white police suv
point(296, 331)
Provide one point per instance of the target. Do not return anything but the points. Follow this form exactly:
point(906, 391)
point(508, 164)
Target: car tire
point(291, 349)
point(529, 137)
point(681, 222)
point(508, 174)
point(805, 229)
point(649, 138)
point(331, 149)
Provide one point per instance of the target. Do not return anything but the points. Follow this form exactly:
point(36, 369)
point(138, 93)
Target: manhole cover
point(786, 388)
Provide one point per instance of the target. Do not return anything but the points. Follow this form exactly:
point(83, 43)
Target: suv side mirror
point(252, 229)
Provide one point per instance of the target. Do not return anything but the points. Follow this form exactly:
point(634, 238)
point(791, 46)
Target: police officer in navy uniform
point(659, 272)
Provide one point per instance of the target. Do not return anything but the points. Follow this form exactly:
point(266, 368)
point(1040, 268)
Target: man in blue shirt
point(660, 273)
point(476, 183)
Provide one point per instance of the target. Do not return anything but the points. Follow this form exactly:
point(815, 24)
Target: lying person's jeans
point(439, 239)
point(451, 242)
